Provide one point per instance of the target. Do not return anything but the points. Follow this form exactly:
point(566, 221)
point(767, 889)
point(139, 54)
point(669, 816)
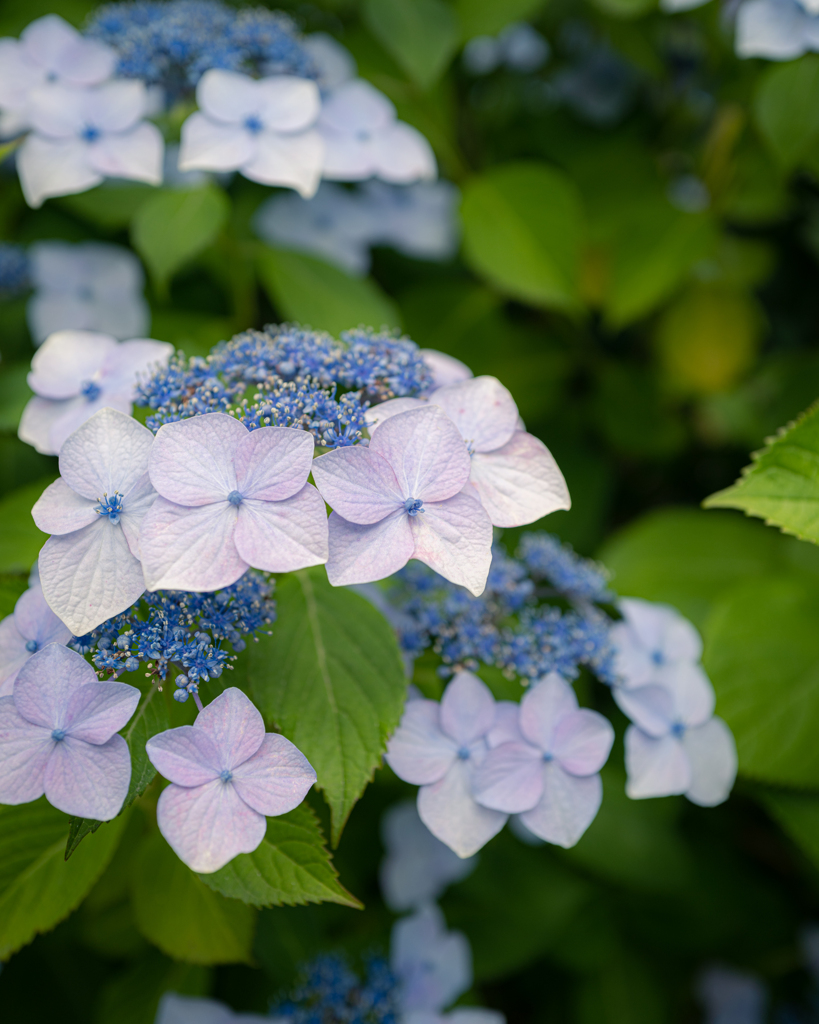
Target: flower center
point(547, 757)
point(58, 734)
point(111, 507)
point(658, 657)
point(225, 775)
point(677, 729)
point(90, 133)
point(235, 498)
point(32, 646)
point(90, 390)
point(463, 754)
point(253, 124)
point(363, 136)
point(412, 506)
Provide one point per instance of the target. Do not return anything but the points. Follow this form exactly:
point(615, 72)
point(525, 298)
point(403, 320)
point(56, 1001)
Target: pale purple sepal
point(433, 966)
point(445, 369)
point(31, 627)
point(650, 641)
point(567, 807)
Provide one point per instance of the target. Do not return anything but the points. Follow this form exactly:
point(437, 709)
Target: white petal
point(482, 409)
point(135, 155)
point(402, 154)
point(212, 146)
point(655, 767)
point(288, 103)
point(449, 811)
point(227, 96)
point(765, 28)
point(282, 536)
point(363, 554)
point(192, 461)
point(713, 755)
point(293, 161)
point(107, 454)
point(566, 809)
point(378, 413)
point(419, 752)
point(61, 510)
point(38, 421)
point(66, 360)
point(355, 107)
point(52, 168)
point(58, 47)
point(454, 537)
point(650, 707)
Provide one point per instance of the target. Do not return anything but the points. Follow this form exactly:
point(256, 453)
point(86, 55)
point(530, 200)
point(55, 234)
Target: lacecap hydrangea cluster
point(330, 992)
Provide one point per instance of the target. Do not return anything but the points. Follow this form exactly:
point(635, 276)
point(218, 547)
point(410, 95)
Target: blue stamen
point(548, 757)
point(235, 498)
point(225, 775)
point(90, 133)
point(58, 734)
point(658, 657)
point(110, 507)
point(253, 124)
point(412, 506)
point(677, 729)
point(463, 754)
point(90, 390)
point(32, 646)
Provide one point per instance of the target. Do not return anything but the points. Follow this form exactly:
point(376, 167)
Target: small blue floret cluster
point(331, 993)
point(183, 630)
point(507, 626)
point(290, 377)
point(174, 44)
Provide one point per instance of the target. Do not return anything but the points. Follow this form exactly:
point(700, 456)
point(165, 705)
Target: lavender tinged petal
point(582, 741)
point(454, 537)
point(276, 778)
point(108, 453)
point(364, 554)
point(186, 756)
point(655, 766)
point(566, 809)
point(96, 711)
point(59, 510)
point(67, 359)
point(649, 707)
point(282, 536)
point(13, 654)
point(418, 751)
point(378, 414)
point(88, 780)
point(542, 708)
point(234, 724)
point(192, 461)
point(433, 966)
point(273, 463)
point(510, 778)
point(24, 753)
point(467, 709)
point(36, 621)
point(47, 683)
point(358, 484)
point(507, 724)
point(450, 812)
point(712, 754)
point(482, 409)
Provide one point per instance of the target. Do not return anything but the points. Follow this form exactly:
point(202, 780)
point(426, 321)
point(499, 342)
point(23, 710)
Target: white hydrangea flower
point(777, 29)
point(419, 220)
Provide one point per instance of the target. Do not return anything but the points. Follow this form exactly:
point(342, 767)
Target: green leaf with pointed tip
point(20, 540)
point(177, 912)
point(37, 887)
point(291, 867)
point(330, 676)
point(786, 109)
point(422, 35)
point(781, 485)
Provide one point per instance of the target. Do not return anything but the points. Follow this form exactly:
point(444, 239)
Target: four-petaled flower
point(82, 136)
point(74, 374)
point(363, 138)
point(58, 736)
point(544, 762)
point(226, 775)
point(32, 626)
point(261, 128)
point(512, 472)
point(89, 568)
point(439, 747)
point(401, 498)
point(230, 498)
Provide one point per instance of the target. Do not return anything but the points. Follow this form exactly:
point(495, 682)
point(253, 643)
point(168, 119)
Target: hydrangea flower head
point(544, 762)
point(777, 29)
point(31, 627)
point(433, 966)
point(226, 774)
point(74, 374)
point(512, 472)
point(90, 568)
point(261, 128)
point(49, 51)
point(439, 747)
point(654, 644)
point(676, 744)
point(91, 286)
point(230, 498)
point(363, 138)
point(401, 498)
point(83, 135)
point(58, 736)
point(417, 867)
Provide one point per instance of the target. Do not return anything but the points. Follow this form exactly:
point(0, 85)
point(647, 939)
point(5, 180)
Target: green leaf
point(37, 887)
point(312, 292)
point(422, 35)
point(488, 17)
point(625, 991)
point(20, 540)
point(14, 394)
point(798, 814)
point(132, 997)
point(173, 226)
point(330, 676)
point(78, 829)
point(177, 912)
point(786, 109)
point(523, 226)
point(112, 205)
point(11, 589)
point(762, 655)
point(291, 867)
point(781, 485)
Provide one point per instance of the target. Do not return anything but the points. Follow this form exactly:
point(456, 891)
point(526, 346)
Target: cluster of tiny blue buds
point(182, 630)
point(288, 376)
point(331, 993)
point(172, 44)
point(14, 270)
point(508, 626)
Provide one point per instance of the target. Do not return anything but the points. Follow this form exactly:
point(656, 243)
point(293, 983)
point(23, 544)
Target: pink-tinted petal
point(379, 413)
point(135, 507)
point(655, 766)
point(234, 724)
point(213, 146)
point(99, 709)
point(36, 621)
point(467, 709)
point(184, 548)
point(13, 654)
point(712, 754)
point(209, 825)
point(450, 812)
point(273, 463)
point(482, 409)
point(108, 453)
point(543, 705)
point(186, 756)
point(282, 536)
point(401, 154)
point(24, 753)
point(276, 779)
point(445, 369)
point(67, 359)
point(293, 161)
point(649, 707)
point(582, 741)
point(136, 154)
point(567, 807)
point(426, 453)
point(418, 751)
point(520, 482)
point(87, 780)
point(287, 103)
point(454, 537)
point(358, 483)
point(47, 682)
point(61, 510)
point(507, 724)
point(363, 554)
point(90, 575)
point(54, 167)
point(192, 461)
point(510, 778)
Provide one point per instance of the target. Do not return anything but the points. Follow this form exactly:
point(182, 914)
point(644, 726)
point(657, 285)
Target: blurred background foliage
point(640, 236)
